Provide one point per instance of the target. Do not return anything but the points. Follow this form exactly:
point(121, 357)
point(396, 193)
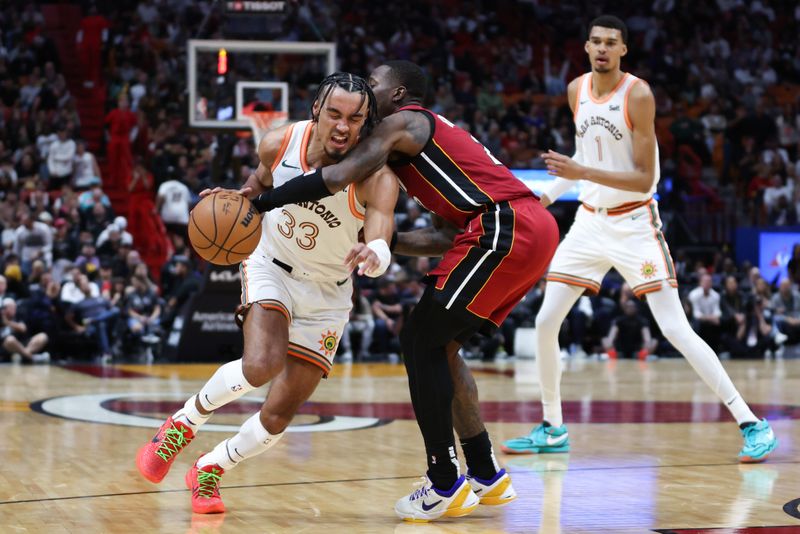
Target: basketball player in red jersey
point(506, 242)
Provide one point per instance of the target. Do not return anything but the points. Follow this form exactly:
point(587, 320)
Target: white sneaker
point(495, 492)
point(150, 339)
point(41, 357)
point(428, 503)
point(347, 356)
point(780, 337)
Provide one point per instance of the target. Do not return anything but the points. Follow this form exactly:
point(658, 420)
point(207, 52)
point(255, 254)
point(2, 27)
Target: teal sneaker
point(759, 441)
point(542, 439)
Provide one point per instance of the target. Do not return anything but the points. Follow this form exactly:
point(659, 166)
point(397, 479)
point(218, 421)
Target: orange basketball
point(224, 228)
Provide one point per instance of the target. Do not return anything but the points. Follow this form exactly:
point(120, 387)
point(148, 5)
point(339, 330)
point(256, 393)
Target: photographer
point(15, 339)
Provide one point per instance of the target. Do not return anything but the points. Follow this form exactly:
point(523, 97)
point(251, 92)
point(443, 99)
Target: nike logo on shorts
point(284, 164)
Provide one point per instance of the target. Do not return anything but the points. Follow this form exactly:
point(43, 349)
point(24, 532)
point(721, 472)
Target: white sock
point(190, 416)
point(558, 300)
point(668, 312)
point(227, 384)
point(252, 439)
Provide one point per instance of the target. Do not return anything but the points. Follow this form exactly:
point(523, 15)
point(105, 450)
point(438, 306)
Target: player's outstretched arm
point(642, 112)
point(431, 242)
point(404, 133)
point(379, 193)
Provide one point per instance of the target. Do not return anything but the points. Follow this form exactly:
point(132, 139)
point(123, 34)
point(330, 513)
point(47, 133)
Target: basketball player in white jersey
point(618, 226)
point(296, 289)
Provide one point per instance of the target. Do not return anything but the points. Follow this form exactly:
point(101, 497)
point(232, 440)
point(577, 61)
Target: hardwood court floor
point(652, 451)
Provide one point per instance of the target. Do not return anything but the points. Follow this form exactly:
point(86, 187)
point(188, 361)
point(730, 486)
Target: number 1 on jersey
point(599, 149)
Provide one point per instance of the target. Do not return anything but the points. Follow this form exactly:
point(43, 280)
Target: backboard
point(225, 77)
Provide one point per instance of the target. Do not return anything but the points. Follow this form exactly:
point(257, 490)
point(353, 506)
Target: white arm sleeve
point(559, 186)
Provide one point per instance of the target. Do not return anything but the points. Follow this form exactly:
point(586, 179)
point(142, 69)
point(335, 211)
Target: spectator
point(172, 204)
point(387, 311)
point(92, 315)
point(361, 323)
point(88, 261)
point(706, 311)
point(87, 171)
point(60, 160)
point(95, 220)
point(184, 285)
point(629, 336)
point(33, 240)
point(71, 292)
point(91, 36)
point(142, 309)
point(16, 338)
point(785, 306)
point(95, 195)
point(733, 305)
point(121, 123)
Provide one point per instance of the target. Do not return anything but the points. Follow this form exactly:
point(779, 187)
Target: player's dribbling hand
point(363, 257)
point(245, 191)
point(563, 166)
point(205, 192)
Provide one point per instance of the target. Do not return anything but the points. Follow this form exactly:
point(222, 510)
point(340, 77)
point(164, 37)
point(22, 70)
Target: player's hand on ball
point(205, 192)
point(363, 257)
point(563, 166)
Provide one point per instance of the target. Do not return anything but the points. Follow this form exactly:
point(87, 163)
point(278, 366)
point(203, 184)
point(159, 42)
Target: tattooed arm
point(432, 241)
point(404, 133)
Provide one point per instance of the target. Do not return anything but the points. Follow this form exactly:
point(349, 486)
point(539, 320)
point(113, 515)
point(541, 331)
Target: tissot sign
point(255, 7)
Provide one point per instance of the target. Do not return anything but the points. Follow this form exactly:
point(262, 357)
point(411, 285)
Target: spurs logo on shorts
point(649, 269)
point(328, 343)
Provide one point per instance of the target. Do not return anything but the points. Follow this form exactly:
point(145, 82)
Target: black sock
point(442, 468)
point(479, 456)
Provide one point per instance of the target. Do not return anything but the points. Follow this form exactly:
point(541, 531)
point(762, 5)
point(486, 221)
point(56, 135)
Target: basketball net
point(263, 121)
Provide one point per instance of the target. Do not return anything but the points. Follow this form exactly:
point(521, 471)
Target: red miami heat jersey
point(455, 176)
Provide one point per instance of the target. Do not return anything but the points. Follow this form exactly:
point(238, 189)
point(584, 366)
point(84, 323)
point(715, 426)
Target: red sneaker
point(204, 483)
point(155, 458)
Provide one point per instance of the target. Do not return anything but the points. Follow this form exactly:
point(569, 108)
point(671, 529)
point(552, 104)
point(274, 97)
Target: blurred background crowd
point(98, 169)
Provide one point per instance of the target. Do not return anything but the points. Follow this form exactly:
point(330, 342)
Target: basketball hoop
point(263, 121)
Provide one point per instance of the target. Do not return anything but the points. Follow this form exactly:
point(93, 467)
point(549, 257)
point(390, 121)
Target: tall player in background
point(618, 226)
point(506, 243)
point(296, 289)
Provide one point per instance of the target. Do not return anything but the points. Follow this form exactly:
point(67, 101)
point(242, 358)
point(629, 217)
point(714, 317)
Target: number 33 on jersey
point(313, 237)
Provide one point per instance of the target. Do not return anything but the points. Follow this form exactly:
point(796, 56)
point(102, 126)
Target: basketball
point(224, 228)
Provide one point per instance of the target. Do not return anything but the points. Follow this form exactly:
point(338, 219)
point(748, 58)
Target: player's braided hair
point(353, 84)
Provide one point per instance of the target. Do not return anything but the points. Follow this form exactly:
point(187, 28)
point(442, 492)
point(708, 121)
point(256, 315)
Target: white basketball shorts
point(317, 311)
point(627, 238)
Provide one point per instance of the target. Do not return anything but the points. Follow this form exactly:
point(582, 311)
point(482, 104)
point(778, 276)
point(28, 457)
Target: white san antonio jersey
point(312, 237)
point(603, 140)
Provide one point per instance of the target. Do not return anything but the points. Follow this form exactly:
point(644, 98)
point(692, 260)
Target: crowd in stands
point(73, 279)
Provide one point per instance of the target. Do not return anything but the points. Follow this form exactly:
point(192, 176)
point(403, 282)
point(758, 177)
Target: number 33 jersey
point(312, 237)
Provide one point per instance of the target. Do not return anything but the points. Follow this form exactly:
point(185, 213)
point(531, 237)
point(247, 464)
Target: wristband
point(379, 247)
